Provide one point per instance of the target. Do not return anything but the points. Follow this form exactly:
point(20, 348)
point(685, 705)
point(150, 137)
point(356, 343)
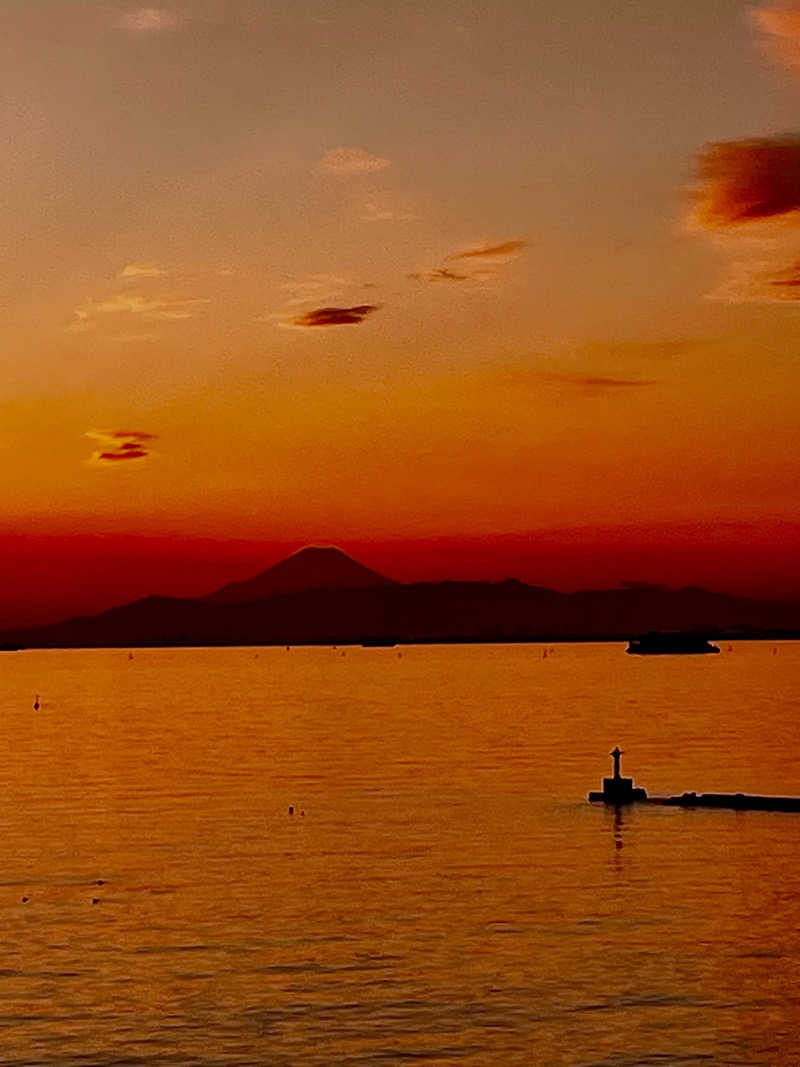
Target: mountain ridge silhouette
point(378, 609)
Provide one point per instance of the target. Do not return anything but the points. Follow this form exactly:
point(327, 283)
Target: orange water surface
point(442, 893)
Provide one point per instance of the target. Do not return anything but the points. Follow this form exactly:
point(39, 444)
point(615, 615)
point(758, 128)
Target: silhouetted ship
point(670, 644)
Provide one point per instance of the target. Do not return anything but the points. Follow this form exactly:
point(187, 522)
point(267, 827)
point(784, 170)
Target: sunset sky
point(470, 289)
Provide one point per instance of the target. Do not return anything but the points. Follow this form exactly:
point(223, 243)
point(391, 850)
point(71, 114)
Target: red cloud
point(120, 445)
point(747, 181)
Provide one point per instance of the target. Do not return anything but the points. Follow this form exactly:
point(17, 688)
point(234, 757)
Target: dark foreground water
point(447, 896)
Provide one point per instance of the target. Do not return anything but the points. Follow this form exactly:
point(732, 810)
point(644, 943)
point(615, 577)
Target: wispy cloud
point(316, 288)
point(135, 306)
point(480, 263)
point(779, 26)
point(136, 271)
point(527, 379)
point(335, 316)
point(351, 162)
point(150, 20)
point(760, 281)
point(387, 207)
point(119, 446)
point(133, 338)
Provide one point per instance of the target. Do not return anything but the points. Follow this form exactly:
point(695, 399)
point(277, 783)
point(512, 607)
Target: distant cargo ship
point(666, 644)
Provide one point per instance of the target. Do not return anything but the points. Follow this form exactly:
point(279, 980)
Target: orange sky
point(379, 275)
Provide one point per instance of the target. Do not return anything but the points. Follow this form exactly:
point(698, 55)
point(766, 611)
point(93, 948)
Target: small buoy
point(100, 881)
point(302, 814)
point(95, 900)
point(288, 648)
point(36, 703)
point(25, 900)
point(291, 810)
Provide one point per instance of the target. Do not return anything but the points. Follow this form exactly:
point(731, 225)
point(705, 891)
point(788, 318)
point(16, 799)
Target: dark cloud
point(503, 250)
point(119, 445)
point(747, 181)
point(332, 316)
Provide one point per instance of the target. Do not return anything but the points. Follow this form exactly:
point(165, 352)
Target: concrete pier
point(737, 801)
point(618, 790)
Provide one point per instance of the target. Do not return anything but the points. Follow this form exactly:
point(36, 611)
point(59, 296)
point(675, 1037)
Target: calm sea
point(442, 894)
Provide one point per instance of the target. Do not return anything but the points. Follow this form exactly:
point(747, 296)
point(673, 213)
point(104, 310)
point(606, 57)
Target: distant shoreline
point(422, 643)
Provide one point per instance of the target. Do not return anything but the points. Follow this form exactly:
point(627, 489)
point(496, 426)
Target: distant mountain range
point(322, 596)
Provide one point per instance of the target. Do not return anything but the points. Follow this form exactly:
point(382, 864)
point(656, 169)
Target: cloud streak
point(135, 271)
point(598, 383)
point(497, 253)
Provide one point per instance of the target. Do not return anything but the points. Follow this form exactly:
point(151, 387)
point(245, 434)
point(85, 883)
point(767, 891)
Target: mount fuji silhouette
point(310, 568)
